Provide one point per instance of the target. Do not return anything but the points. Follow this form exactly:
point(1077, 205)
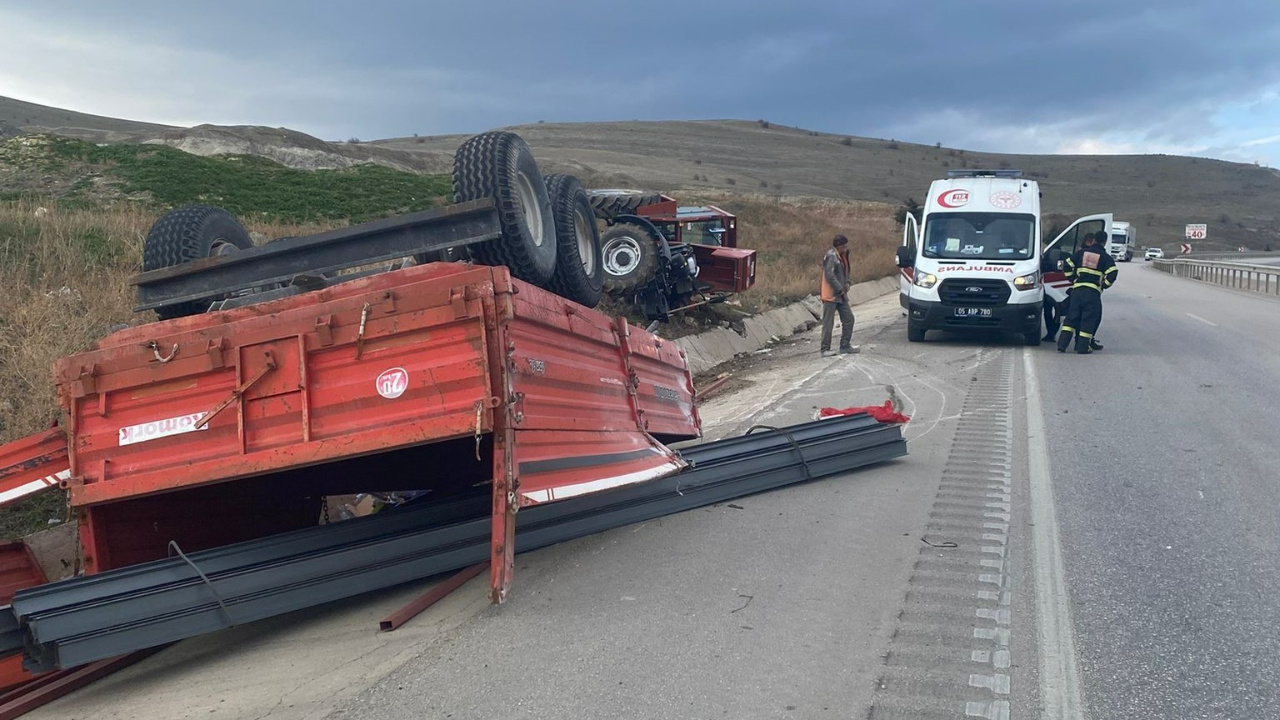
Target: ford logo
point(972, 288)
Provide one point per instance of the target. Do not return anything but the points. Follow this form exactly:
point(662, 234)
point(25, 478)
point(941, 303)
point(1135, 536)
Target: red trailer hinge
point(214, 351)
point(86, 383)
point(324, 330)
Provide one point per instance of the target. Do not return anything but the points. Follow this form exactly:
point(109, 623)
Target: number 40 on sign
point(1197, 232)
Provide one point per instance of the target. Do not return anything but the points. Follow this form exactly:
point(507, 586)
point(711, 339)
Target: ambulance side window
point(1074, 238)
point(1067, 245)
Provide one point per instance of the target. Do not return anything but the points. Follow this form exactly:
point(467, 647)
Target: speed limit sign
point(1197, 232)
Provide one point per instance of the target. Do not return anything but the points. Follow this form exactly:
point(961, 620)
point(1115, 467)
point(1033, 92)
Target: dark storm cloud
point(956, 72)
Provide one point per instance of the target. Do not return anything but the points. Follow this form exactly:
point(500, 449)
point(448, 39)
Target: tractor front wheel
point(629, 254)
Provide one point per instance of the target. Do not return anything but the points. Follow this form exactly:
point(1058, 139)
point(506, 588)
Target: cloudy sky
point(1071, 76)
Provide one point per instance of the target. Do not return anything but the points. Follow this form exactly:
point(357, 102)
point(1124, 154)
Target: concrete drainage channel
point(720, 345)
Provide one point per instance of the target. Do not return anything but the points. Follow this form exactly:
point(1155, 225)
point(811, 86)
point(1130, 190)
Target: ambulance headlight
point(926, 280)
point(1027, 282)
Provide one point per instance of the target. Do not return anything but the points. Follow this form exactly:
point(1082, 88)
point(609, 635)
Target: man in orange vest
point(835, 285)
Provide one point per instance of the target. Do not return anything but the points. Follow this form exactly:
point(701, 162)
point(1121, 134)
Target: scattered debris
point(883, 413)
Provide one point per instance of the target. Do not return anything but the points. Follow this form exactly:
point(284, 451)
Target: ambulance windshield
point(979, 236)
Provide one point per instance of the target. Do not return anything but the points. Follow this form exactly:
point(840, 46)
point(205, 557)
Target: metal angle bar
point(427, 559)
point(136, 607)
point(419, 604)
point(138, 578)
point(730, 448)
point(86, 617)
point(286, 258)
point(10, 633)
point(67, 682)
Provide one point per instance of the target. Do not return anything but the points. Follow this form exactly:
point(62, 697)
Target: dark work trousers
point(1083, 316)
point(1053, 317)
point(829, 310)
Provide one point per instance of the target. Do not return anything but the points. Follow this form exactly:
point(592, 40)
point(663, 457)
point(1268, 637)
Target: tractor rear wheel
point(630, 256)
point(579, 272)
point(608, 203)
point(499, 165)
point(191, 232)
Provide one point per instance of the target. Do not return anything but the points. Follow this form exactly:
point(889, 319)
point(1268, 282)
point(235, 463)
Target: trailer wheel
point(630, 255)
point(608, 203)
point(188, 233)
point(579, 272)
point(499, 165)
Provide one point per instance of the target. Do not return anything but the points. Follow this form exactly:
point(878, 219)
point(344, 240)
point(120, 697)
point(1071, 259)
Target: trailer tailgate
point(384, 362)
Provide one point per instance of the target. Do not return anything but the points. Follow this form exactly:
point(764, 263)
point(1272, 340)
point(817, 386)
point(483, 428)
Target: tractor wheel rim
point(530, 209)
point(582, 231)
point(621, 256)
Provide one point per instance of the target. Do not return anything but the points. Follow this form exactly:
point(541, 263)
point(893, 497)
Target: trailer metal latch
point(238, 392)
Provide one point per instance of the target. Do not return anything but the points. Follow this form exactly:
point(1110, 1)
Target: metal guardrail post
point(1235, 275)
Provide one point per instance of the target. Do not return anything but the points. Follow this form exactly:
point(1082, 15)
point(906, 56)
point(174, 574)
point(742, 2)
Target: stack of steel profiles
point(78, 621)
point(10, 632)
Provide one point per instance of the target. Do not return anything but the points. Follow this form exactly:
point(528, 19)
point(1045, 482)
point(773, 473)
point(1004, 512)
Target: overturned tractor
point(663, 256)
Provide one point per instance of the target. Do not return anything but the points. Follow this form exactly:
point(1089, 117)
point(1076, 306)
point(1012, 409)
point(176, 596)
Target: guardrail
point(1263, 279)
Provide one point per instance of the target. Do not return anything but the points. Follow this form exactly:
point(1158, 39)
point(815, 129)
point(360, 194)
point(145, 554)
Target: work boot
point(1095, 345)
point(1082, 347)
point(825, 352)
point(851, 350)
point(1064, 339)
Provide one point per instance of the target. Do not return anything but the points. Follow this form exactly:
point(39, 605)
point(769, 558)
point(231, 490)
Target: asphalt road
point(1164, 455)
point(916, 590)
point(777, 605)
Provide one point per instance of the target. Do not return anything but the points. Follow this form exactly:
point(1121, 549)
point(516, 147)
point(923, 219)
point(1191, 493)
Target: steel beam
point(282, 260)
point(106, 618)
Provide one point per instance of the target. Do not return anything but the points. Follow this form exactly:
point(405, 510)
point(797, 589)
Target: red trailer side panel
point(375, 364)
point(18, 570)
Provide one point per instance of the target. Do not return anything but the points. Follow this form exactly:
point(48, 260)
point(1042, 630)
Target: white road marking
point(1197, 317)
point(1059, 676)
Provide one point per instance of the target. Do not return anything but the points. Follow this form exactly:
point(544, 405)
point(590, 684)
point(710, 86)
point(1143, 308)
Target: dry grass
point(792, 234)
point(65, 278)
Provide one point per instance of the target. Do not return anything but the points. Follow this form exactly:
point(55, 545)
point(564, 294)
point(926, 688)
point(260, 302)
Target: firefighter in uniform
point(1091, 270)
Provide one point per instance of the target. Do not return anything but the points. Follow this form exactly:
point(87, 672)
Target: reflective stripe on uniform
point(1091, 271)
point(1087, 336)
point(1068, 328)
point(1083, 284)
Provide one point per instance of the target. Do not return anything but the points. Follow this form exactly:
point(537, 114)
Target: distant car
point(1154, 253)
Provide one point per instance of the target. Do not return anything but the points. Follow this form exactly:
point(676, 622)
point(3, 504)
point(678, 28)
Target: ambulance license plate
point(973, 312)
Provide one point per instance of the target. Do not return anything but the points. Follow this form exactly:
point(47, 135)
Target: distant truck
point(1124, 240)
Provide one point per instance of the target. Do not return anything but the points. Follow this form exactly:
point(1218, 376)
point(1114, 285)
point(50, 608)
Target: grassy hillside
point(30, 117)
point(75, 170)
point(1159, 193)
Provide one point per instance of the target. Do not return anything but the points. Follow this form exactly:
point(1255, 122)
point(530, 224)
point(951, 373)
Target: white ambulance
point(974, 262)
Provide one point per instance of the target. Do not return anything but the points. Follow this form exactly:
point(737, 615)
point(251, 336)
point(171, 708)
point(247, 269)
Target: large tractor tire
point(629, 253)
point(579, 273)
point(499, 165)
point(608, 203)
point(188, 233)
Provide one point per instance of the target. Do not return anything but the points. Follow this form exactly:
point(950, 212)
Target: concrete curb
point(717, 346)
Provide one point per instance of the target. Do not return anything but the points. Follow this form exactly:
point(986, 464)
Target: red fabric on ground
point(882, 413)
